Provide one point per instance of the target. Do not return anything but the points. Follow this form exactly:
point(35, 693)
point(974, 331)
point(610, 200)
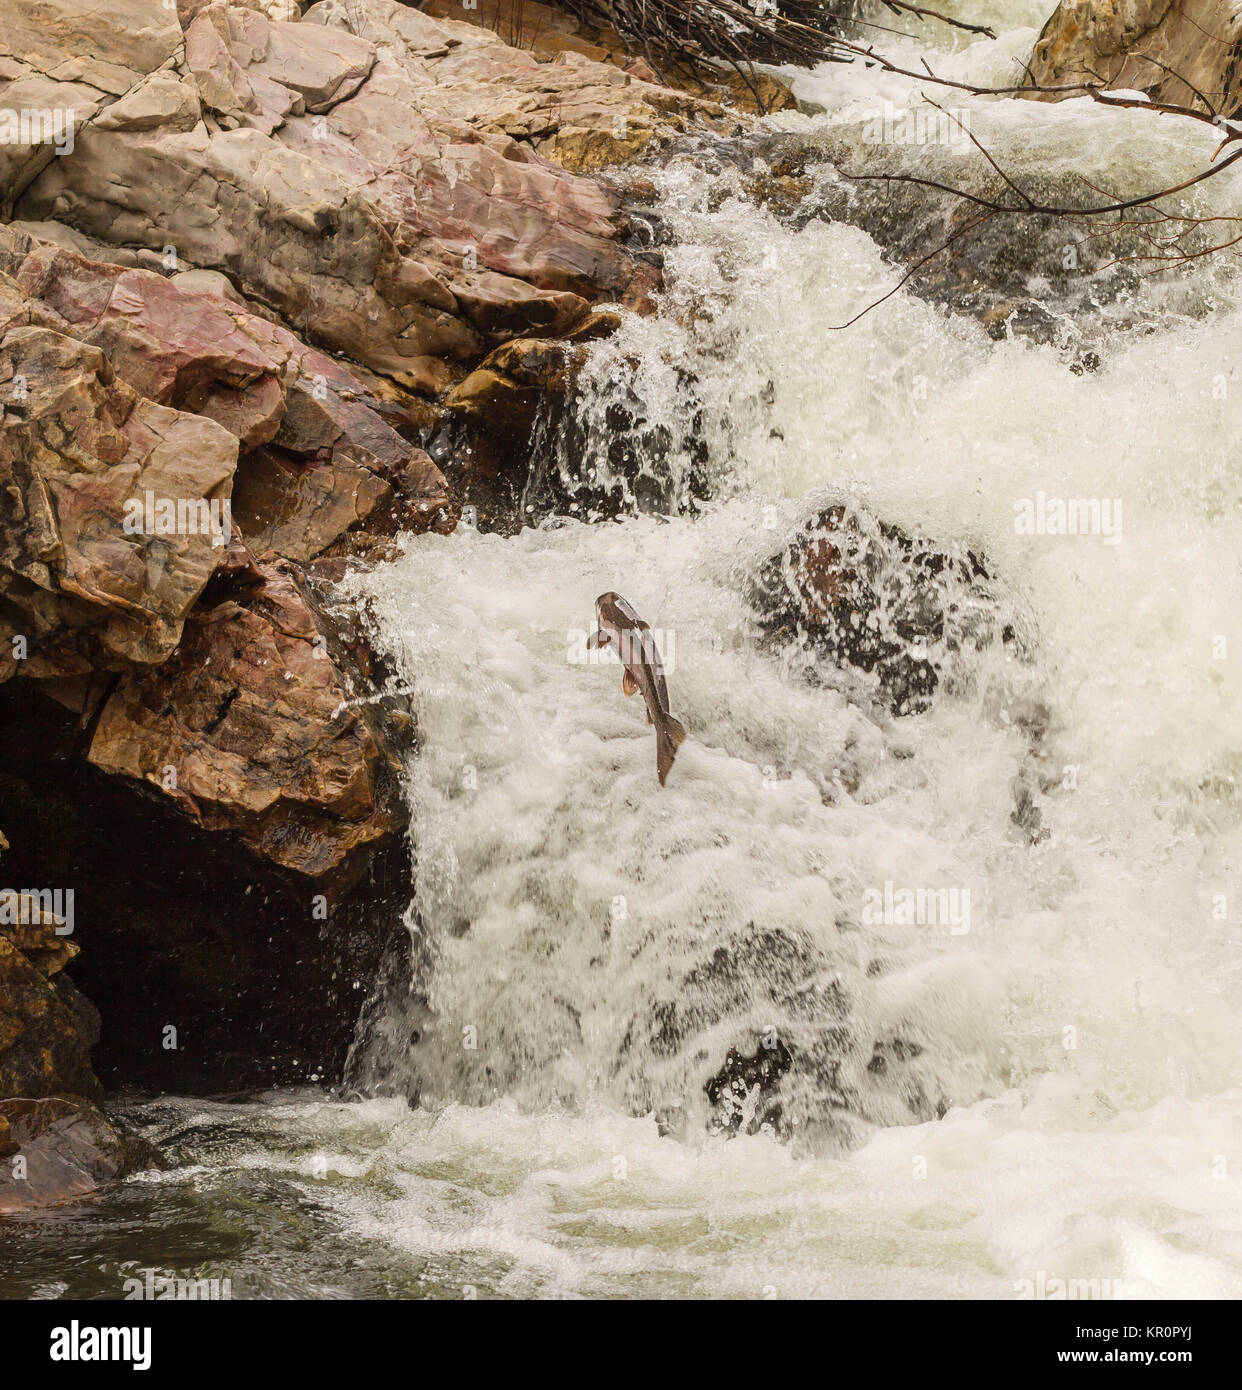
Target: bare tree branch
point(920, 13)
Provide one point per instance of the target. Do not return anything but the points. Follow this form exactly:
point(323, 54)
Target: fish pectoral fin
point(649, 718)
point(629, 686)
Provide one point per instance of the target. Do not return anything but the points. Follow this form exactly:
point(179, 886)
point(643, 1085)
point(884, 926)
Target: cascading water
point(1045, 1078)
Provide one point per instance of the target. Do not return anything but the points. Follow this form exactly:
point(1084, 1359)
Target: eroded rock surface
point(1177, 51)
point(251, 727)
point(76, 445)
point(183, 343)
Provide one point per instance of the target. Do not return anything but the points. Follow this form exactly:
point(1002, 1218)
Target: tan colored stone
point(107, 46)
point(197, 351)
point(1173, 50)
point(369, 187)
point(163, 101)
point(60, 109)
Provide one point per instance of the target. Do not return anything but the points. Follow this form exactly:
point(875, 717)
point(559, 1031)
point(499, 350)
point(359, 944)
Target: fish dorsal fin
point(629, 686)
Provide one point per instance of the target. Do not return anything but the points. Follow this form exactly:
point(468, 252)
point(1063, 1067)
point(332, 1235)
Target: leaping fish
point(619, 626)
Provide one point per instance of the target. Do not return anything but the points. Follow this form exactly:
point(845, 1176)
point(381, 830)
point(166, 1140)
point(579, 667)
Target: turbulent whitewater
point(1047, 1083)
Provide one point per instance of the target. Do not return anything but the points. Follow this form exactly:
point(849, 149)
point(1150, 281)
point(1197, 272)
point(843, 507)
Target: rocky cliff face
point(368, 178)
point(252, 259)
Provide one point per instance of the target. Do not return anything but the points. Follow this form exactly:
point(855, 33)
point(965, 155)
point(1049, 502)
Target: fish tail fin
point(669, 737)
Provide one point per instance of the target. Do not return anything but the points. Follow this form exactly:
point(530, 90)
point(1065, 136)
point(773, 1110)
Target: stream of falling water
point(1047, 1085)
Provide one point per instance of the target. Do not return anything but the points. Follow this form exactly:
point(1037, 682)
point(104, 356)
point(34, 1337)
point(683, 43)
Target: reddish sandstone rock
point(299, 784)
point(77, 445)
point(299, 509)
point(378, 177)
point(359, 173)
point(252, 728)
point(200, 352)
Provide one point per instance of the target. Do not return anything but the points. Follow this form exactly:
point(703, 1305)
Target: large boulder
point(81, 579)
point(59, 1148)
point(851, 593)
point(251, 727)
point(241, 720)
point(1176, 51)
point(570, 101)
point(108, 47)
point(201, 351)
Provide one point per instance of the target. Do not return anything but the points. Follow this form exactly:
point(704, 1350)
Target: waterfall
point(919, 977)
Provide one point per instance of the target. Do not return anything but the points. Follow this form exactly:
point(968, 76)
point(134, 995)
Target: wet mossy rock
point(61, 1148)
point(502, 398)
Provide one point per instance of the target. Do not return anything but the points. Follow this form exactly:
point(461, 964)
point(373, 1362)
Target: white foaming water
point(1052, 1090)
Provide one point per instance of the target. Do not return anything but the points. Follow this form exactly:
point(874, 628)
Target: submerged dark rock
point(743, 1092)
point(853, 590)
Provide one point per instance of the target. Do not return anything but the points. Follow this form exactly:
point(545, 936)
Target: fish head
point(606, 604)
point(607, 613)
